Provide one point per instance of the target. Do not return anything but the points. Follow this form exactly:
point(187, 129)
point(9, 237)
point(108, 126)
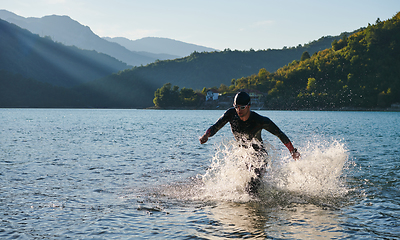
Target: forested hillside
point(43, 60)
point(355, 70)
point(209, 69)
point(199, 70)
point(17, 91)
point(362, 70)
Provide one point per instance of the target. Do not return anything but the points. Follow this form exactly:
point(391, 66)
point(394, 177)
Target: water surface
point(137, 174)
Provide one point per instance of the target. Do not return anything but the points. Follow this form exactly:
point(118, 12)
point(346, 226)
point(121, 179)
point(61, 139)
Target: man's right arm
point(211, 131)
point(204, 138)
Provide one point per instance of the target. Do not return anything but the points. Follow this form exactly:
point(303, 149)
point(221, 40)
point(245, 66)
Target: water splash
point(230, 171)
point(319, 172)
point(318, 177)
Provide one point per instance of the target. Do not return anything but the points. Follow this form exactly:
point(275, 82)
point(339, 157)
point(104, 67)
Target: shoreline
point(343, 109)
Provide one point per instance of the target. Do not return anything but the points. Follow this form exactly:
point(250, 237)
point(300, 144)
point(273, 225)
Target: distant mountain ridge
point(67, 31)
point(160, 45)
point(96, 81)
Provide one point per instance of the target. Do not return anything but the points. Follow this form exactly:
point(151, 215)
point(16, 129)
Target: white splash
point(317, 173)
point(230, 172)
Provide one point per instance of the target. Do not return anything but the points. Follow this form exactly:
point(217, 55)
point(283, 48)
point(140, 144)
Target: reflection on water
point(295, 221)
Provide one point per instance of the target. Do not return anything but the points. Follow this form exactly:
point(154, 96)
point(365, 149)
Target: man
point(246, 127)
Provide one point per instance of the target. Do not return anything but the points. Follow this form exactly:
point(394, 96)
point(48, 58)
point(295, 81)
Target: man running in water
point(246, 127)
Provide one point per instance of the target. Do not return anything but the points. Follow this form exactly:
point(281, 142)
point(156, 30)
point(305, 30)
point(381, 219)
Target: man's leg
point(255, 182)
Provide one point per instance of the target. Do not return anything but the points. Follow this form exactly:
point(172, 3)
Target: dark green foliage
point(207, 69)
point(168, 96)
point(362, 70)
point(304, 56)
point(337, 45)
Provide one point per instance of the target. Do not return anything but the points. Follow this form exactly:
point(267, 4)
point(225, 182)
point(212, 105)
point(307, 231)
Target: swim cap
point(241, 98)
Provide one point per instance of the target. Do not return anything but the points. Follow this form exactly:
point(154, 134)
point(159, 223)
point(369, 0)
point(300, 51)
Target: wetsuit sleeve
point(272, 128)
point(224, 119)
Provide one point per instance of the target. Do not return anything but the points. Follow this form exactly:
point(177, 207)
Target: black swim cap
point(241, 98)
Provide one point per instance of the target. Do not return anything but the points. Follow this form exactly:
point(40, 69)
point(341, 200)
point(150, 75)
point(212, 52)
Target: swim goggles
point(240, 107)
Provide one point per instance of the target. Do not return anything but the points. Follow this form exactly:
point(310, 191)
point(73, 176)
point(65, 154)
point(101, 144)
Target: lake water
point(142, 174)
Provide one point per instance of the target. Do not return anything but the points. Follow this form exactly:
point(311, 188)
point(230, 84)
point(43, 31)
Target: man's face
point(242, 110)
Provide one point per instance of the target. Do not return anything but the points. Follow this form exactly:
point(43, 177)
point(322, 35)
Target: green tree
point(223, 88)
point(186, 93)
point(305, 56)
point(263, 73)
point(337, 45)
point(166, 96)
point(311, 85)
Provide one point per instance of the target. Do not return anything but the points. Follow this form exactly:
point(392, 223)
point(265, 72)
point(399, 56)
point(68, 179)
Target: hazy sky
point(220, 24)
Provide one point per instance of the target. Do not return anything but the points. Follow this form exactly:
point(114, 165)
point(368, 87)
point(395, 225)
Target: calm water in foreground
point(142, 174)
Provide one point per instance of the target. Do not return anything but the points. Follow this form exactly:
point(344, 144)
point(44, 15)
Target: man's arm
point(293, 151)
point(274, 129)
point(211, 131)
point(204, 138)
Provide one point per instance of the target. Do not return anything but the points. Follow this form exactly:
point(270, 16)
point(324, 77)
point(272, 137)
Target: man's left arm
point(274, 129)
point(293, 151)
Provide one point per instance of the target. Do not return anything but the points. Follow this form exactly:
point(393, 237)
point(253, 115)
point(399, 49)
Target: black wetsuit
point(247, 131)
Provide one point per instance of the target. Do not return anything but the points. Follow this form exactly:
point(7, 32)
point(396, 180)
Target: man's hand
point(204, 138)
point(295, 154)
point(293, 151)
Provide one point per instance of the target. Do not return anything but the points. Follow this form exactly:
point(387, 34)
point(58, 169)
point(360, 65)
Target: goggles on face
point(240, 107)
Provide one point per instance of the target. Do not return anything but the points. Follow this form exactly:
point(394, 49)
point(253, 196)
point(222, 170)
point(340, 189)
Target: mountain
point(17, 91)
point(211, 69)
point(160, 45)
point(69, 32)
point(42, 59)
point(134, 88)
point(354, 69)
